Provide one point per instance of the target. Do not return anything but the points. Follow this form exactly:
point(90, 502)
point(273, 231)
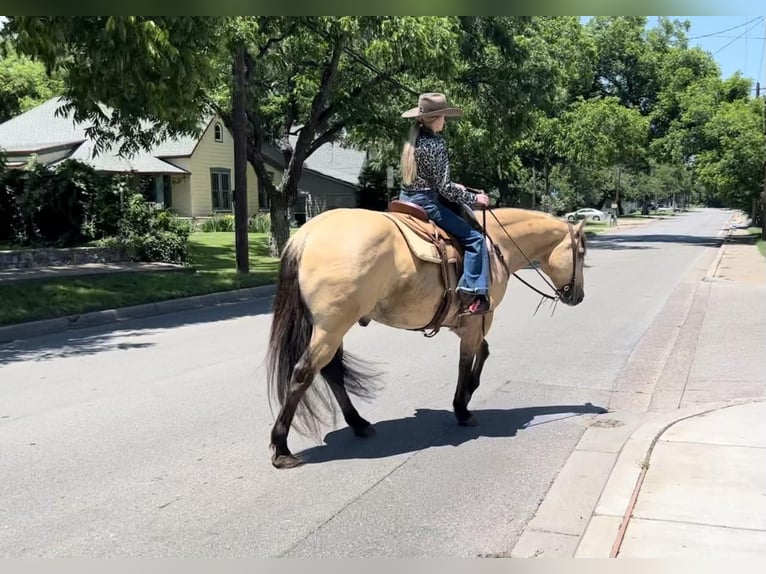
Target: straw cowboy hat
point(430, 105)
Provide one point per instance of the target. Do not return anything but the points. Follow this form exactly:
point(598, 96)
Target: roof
point(334, 160)
point(141, 162)
point(41, 129)
point(331, 160)
point(181, 146)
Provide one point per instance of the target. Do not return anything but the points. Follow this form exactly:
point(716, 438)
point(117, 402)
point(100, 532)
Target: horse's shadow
point(434, 428)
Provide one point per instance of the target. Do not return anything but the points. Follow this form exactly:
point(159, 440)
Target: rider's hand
point(482, 199)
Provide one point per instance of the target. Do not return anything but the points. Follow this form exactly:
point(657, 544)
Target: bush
point(260, 223)
point(218, 223)
point(61, 207)
point(150, 233)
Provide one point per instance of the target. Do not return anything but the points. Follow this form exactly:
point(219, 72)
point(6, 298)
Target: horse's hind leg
point(321, 350)
point(334, 374)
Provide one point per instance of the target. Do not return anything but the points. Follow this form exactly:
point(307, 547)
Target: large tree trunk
point(240, 161)
point(284, 199)
point(280, 223)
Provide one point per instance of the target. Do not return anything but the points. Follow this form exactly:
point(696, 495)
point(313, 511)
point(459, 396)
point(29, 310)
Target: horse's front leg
point(470, 343)
point(464, 384)
point(474, 351)
point(478, 366)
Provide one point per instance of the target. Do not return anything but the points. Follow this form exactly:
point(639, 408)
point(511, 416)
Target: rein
point(557, 292)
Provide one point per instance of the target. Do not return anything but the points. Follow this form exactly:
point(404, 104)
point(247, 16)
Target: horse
point(350, 266)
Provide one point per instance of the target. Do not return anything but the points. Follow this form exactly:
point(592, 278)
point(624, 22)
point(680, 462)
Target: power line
point(738, 37)
point(727, 29)
point(760, 64)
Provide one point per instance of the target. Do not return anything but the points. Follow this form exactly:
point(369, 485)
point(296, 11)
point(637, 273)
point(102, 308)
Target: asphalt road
point(151, 438)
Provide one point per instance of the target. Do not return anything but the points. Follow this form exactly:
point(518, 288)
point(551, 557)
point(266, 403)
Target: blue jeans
point(475, 278)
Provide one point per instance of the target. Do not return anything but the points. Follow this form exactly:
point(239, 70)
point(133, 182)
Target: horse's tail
point(291, 330)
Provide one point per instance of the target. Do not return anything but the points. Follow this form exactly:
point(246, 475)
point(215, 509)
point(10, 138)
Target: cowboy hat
point(430, 105)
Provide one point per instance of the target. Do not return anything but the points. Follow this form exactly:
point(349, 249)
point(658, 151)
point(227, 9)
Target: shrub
point(260, 223)
point(151, 233)
point(218, 223)
point(58, 207)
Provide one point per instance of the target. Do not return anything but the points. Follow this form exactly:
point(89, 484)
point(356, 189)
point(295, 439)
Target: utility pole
point(239, 121)
point(763, 191)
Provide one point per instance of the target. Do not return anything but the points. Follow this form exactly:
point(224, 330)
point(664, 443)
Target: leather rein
point(557, 292)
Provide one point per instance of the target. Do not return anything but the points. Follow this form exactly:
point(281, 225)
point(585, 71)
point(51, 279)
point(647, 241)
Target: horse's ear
point(580, 226)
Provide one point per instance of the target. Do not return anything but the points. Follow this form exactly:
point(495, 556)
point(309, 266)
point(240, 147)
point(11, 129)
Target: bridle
point(558, 293)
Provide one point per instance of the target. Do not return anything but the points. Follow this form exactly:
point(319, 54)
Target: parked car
point(586, 213)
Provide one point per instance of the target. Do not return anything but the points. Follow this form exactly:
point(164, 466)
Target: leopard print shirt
point(433, 171)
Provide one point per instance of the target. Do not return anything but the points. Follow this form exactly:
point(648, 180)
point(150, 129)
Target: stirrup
point(476, 308)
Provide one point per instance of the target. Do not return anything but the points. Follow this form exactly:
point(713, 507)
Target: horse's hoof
point(365, 431)
point(285, 461)
point(469, 422)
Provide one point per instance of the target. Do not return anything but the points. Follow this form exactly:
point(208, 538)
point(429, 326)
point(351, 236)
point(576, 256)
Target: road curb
point(587, 507)
point(603, 534)
point(713, 268)
point(30, 329)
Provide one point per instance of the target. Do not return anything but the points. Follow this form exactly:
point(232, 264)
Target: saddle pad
point(421, 248)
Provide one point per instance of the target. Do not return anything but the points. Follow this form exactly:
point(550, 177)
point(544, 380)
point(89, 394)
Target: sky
point(736, 43)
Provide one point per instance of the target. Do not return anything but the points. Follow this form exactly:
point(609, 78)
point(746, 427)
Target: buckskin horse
point(349, 266)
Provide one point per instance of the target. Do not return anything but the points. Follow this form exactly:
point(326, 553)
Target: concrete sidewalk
point(700, 491)
point(677, 468)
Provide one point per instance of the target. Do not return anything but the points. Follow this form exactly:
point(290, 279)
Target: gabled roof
point(181, 146)
point(331, 160)
point(141, 162)
point(41, 129)
point(334, 160)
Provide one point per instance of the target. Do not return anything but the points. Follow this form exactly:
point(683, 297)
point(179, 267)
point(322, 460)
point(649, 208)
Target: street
point(150, 437)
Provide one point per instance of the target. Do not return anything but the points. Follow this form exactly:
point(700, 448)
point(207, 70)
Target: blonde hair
point(409, 168)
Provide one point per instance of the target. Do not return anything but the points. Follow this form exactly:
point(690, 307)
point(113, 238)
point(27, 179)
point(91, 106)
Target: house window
point(218, 130)
point(220, 189)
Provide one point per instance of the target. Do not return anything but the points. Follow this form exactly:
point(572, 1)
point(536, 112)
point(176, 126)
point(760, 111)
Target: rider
point(425, 175)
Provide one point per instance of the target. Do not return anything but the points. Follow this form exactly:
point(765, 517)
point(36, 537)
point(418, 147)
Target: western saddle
point(439, 247)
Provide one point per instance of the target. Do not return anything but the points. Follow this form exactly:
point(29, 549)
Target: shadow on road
point(434, 428)
point(616, 242)
point(112, 336)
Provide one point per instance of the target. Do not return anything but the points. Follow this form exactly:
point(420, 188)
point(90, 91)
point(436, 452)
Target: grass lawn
point(212, 269)
point(596, 227)
point(756, 231)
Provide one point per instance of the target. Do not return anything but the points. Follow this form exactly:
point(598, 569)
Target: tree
point(316, 80)
point(140, 80)
point(733, 168)
point(626, 65)
point(152, 72)
point(601, 134)
point(514, 71)
point(24, 83)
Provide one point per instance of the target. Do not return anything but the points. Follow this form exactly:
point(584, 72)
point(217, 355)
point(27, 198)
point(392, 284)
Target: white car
point(586, 213)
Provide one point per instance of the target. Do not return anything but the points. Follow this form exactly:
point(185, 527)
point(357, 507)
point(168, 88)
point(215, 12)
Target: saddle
point(429, 242)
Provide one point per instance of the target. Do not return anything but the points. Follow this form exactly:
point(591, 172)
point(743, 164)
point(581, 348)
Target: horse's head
point(564, 265)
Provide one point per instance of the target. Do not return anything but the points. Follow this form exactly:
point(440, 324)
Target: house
point(330, 178)
point(192, 176)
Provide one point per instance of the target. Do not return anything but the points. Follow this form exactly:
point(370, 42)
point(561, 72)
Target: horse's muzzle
point(570, 296)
